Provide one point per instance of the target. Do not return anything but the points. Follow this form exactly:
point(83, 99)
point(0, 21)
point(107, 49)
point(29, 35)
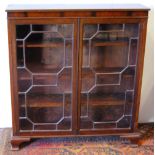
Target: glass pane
point(111, 27)
point(66, 30)
point(86, 56)
point(20, 54)
point(24, 79)
point(22, 31)
point(21, 98)
point(44, 65)
point(44, 79)
point(108, 75)
point(89, 30)
point(44, 104)
point(68, 52)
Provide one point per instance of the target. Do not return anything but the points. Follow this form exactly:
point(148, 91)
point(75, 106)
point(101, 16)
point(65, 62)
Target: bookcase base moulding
point(75, 70)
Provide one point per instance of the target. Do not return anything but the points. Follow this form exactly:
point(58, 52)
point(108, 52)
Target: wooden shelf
point(38, 67)
point(43, 102)
point(111, 43)
point(105, 101)
point(85, 72)
point(24, 78)
point(111, 70)
point(106, 69)
point(41, 45)
point(40, 102)
point(58, 44)
point(109, 102)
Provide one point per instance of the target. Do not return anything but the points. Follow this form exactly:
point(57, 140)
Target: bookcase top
point(56, 7)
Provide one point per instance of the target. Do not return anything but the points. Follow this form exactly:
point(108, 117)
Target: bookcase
point(75, 71)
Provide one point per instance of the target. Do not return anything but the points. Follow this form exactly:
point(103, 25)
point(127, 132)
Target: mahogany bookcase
point(75, 70)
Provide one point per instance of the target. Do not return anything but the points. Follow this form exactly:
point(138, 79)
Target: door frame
point(139, 71)
point(13, 75)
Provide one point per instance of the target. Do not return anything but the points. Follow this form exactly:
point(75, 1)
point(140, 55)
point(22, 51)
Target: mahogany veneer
point(75, 70)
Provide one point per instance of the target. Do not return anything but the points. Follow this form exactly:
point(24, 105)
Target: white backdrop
point(147, 99)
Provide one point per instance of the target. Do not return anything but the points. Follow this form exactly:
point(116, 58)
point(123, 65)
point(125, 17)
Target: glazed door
point(107, 74)
point(44, 60)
